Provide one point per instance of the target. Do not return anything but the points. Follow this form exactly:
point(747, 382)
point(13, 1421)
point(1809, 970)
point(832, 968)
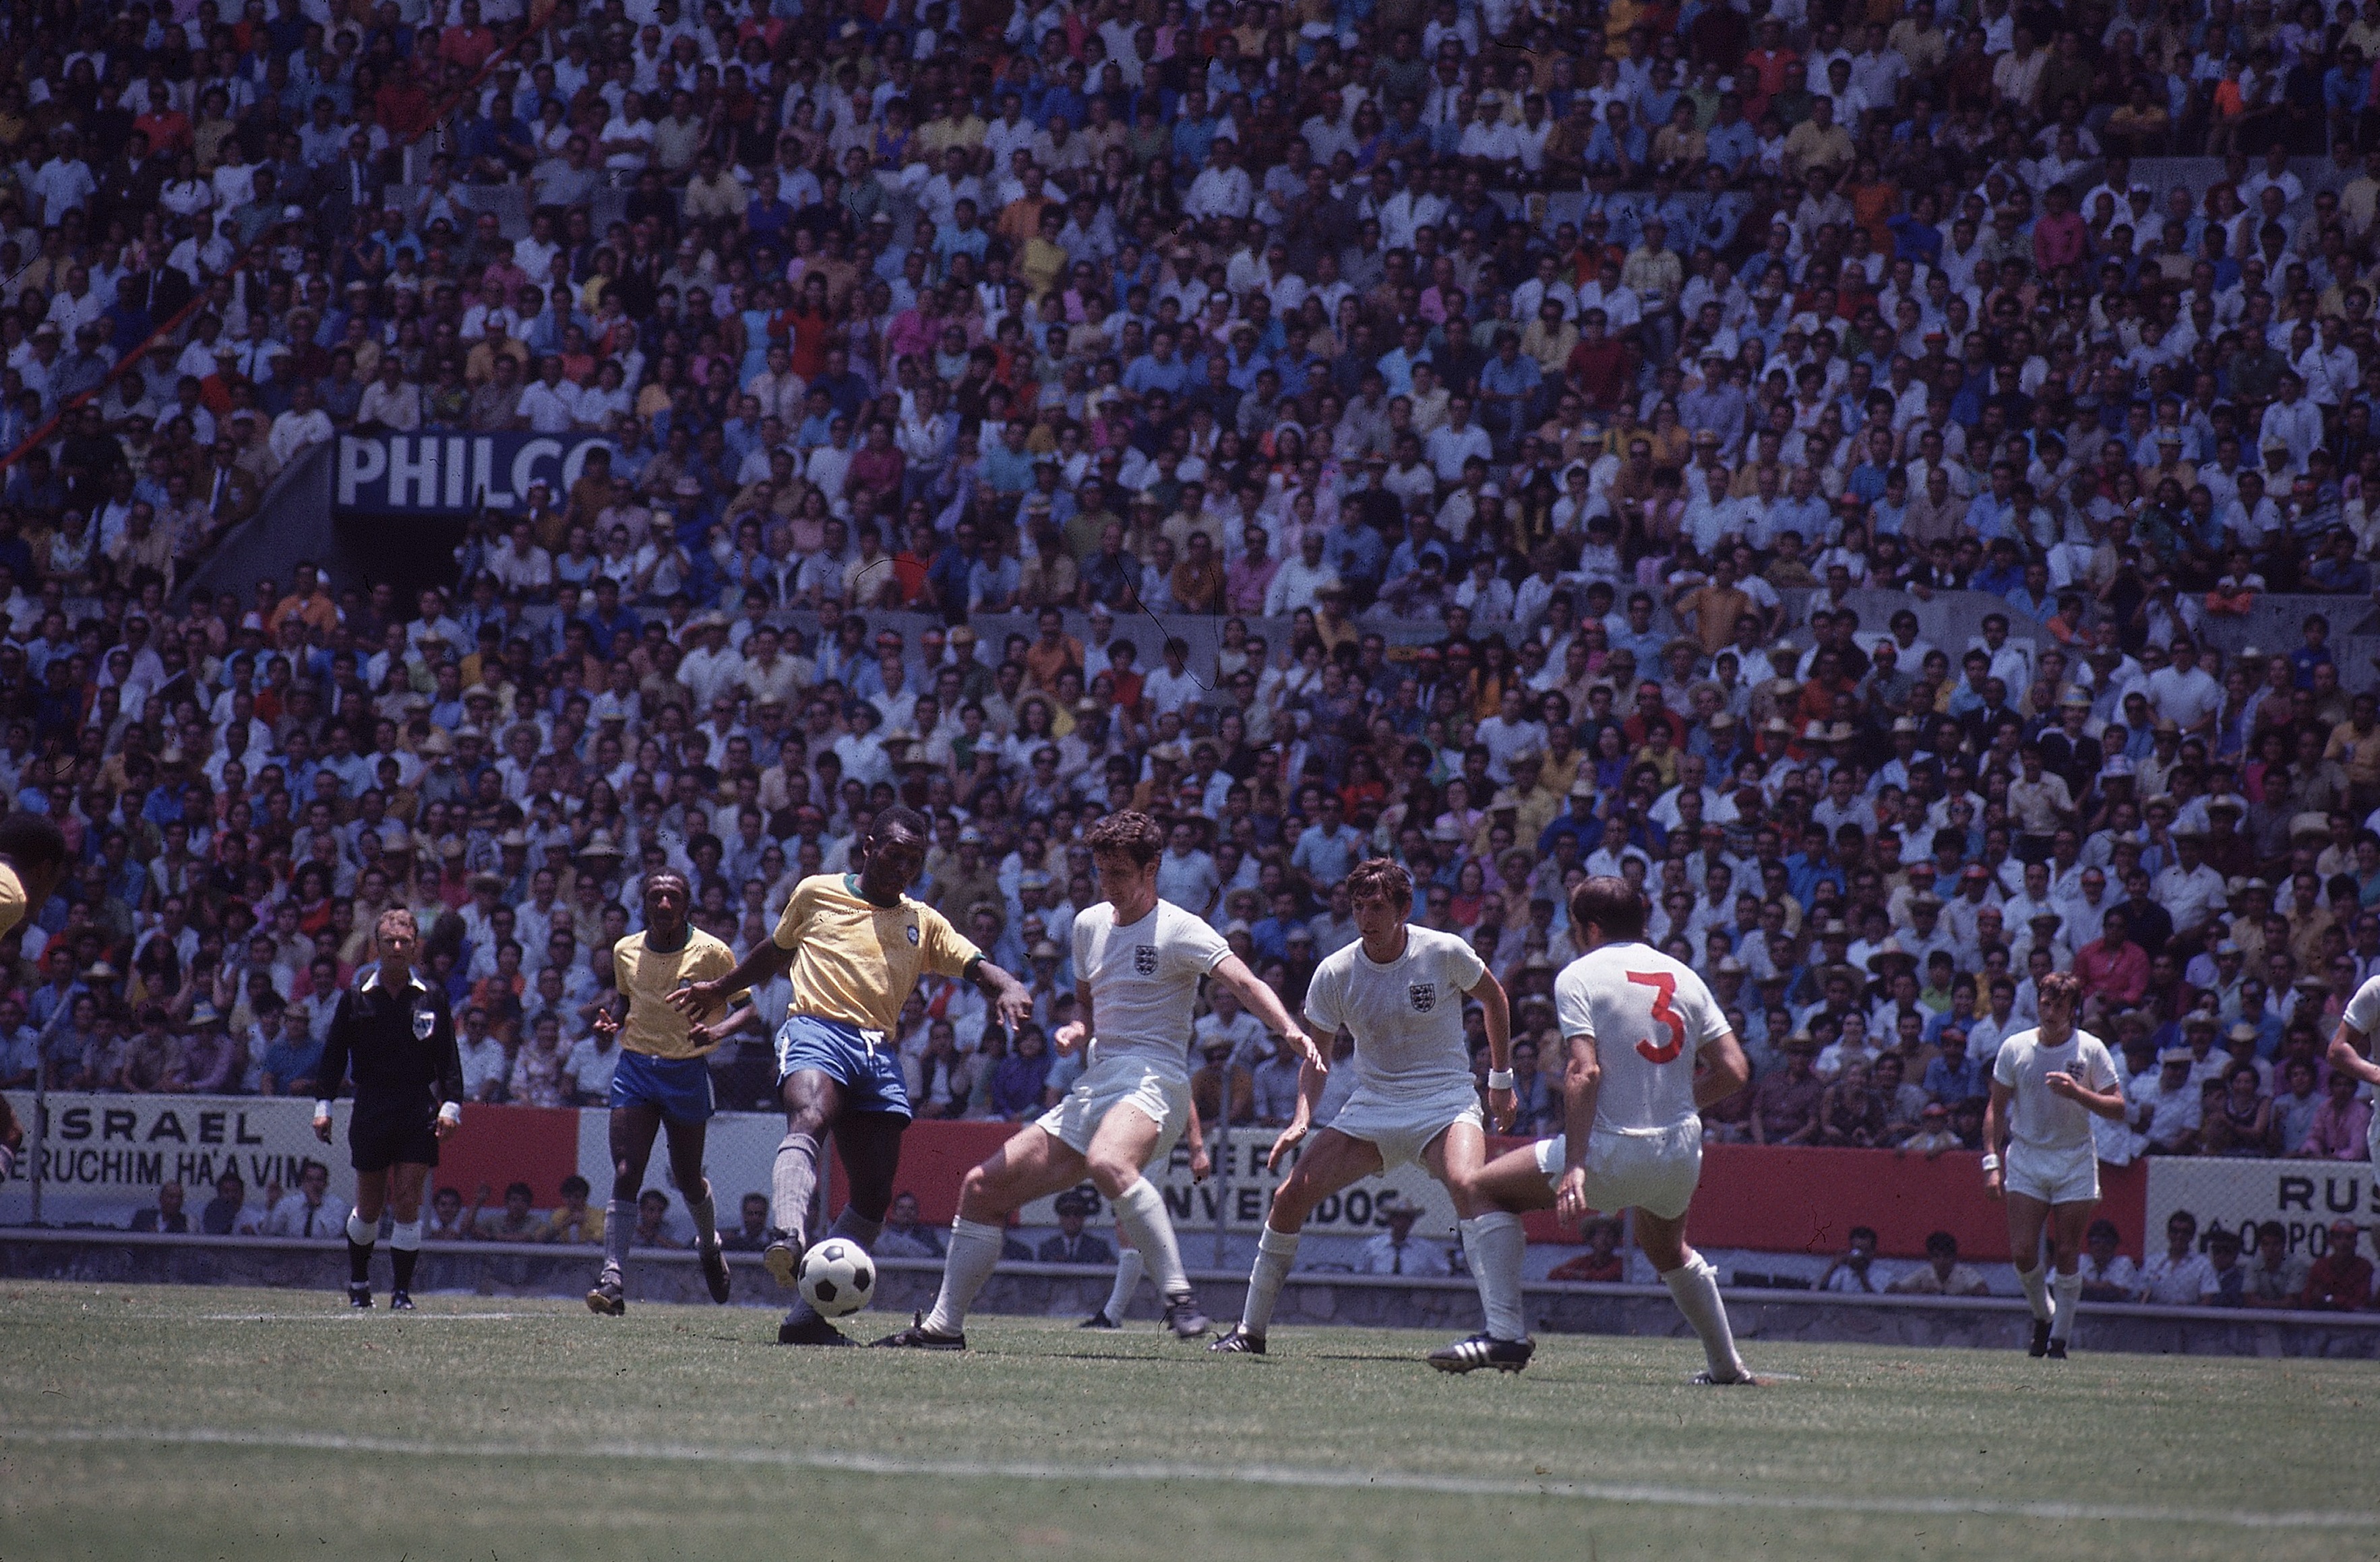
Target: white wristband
point(322, 1110)
point(1991, 1163)
point(1500, 1079)
point(451, 1112)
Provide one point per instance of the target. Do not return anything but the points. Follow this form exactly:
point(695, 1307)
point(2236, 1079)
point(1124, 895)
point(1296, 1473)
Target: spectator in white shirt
point(391, 401)
point(1173, 686)
point(1456, 441)
point(547, 407)
point(307, 1215)
point(1395, 1251)
point(302, 427)
point(2181, 1275)
point(1223, 188)
point(1299, 582)
point(521, 564)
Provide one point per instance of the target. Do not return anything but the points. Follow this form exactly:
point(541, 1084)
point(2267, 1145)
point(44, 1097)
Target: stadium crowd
point(1618, 344)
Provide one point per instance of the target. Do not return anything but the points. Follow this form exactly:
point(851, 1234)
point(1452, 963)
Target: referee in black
point(395, 1031)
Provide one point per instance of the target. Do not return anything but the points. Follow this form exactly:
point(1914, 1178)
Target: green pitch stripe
point(1159, 1471)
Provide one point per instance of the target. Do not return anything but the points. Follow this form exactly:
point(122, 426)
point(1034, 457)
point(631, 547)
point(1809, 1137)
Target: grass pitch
point(152, 1422)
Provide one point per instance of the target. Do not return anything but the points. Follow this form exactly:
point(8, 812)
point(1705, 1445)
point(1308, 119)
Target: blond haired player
point(854, 944)
point(1399, 990)
point(2047, 1083)
point(1648, 1048)
point(661, 1079)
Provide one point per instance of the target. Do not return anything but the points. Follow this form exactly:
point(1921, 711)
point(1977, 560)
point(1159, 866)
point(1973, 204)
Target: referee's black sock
point(360, 1233)
point(405, 1250)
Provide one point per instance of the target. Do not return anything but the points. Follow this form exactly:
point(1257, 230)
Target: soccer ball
point(838, 1277)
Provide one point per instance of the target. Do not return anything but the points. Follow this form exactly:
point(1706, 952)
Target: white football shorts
point(1163, 1099)
point(1401, 1130)
point(1654, 1169)
point(2054, 1175)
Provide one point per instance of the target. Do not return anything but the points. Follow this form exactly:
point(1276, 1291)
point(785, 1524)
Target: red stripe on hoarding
point(538, 1145)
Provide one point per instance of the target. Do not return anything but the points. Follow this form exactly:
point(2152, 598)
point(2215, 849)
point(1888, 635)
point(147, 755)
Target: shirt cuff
point(321, 1108)
point(451, 1112)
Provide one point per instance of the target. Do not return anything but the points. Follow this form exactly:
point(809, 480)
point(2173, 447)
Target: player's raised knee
point(980, 1192)
point(1467, 1187)
point(1112, 1174)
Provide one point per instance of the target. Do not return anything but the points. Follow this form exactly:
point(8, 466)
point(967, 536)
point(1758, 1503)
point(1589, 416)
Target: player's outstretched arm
point(1720, 1070)
point(767, 961)
point(1310, 1080)
point(1266, 1005)
point(1010, 1001)
point(1582, 1084)
point(2347, 1049)
point(1496, 1010)
point(710, 1038)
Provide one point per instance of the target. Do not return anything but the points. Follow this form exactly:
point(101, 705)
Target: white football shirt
point(1406, 1016)
point(1142, 979)
point(2038, 1121)
point(1649, 1016)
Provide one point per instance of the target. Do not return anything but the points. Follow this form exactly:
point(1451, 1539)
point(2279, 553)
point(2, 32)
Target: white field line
point(1205, 1475)
point(351, 1315)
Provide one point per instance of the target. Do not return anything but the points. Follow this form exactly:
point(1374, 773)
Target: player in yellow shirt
point(661, 1079)
point(32, 864)
point(854, 944)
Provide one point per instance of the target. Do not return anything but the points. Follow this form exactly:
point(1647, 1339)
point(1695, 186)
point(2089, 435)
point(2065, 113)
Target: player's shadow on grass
point(1185, 1358)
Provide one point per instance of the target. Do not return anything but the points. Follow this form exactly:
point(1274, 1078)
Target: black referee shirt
point(400, 1045)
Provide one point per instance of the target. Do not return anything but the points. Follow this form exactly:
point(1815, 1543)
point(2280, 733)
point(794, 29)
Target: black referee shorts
point(380, 1140)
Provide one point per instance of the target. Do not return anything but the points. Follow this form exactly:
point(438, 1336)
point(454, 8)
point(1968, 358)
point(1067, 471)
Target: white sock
point(1275, 1252)
point(405, 1235)
point(793, 1185)
point(1694, 1286)
point(361, 1232)
point(1141, 1208)
point(2070, 1297)
point(1494, 1243)
point(2037, 1292)
point(705, 1216)
point(1127, 1280)
point(975, 1252)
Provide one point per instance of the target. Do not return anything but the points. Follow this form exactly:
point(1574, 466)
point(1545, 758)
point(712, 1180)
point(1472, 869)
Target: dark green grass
point(152, 1422)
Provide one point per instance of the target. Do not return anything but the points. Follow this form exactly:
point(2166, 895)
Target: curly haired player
point(1138, 964)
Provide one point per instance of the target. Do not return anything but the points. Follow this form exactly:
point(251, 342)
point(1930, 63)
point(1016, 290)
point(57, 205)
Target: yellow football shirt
point(855, 961)
point(649, 977)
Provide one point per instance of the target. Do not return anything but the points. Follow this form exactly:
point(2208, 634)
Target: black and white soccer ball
point(838, 1277)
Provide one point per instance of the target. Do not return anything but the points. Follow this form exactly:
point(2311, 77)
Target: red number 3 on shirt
point(1665, 987)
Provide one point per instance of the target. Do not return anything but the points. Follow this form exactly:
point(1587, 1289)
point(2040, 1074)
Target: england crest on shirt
point(1144, 960)
point(1424, 996)
point(424, 1022)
